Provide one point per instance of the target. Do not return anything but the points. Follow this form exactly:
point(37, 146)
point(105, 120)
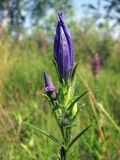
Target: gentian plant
point(62, 99)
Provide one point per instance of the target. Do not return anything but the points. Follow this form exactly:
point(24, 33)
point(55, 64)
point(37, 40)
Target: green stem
point(58, 123)
point(64, 154)
point(66, 138)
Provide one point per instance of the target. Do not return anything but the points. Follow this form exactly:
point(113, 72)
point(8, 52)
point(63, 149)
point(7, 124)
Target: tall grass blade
point(108, 116)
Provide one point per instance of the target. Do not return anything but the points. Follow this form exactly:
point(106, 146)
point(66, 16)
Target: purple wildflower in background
point(96, 64)
point(63, 49)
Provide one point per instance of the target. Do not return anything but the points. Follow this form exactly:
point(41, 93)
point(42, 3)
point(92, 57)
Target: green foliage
point(110, 7)
point(21, 11)
point(92, 40)
point(113, 62)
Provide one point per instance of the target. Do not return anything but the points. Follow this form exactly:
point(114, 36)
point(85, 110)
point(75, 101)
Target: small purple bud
point(63, 49)
point(96, 64)
point(49, 88)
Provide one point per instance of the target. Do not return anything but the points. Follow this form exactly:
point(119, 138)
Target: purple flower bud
point(49, 88)
point(63, 49)
point(96, 64)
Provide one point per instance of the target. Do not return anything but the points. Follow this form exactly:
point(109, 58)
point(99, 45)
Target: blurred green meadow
point(22, 64)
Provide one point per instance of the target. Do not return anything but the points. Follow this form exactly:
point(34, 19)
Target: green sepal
point(79, 109)
point(60, 105)
point(76, 99)
point(78, 136)
point(46, 134)
point(45, 95)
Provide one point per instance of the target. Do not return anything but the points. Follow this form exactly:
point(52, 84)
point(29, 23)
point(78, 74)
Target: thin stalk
point(66, 138)
point(56, 119)
point(61, 129)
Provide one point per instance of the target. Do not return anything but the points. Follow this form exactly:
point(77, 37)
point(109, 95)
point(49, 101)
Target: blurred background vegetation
point(27, 31)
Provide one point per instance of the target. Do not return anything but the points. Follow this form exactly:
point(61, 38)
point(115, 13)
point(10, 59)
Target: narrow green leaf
point(46, 134)
point(78, 136)
point(108, 116)
point(74, 70)
point(56, 68)
point(25, 147)
point(76, 99)
point(45, 95)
